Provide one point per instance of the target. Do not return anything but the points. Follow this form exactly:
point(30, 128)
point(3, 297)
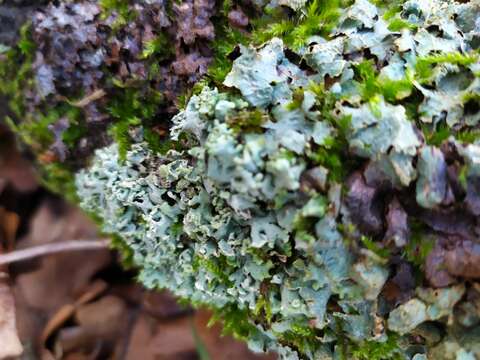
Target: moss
point(239, 324)
point(334, 154)
point(15, 71)
point(392, 7)
point(371, 85)
point(300, 337)
point(263, 308)
point(227, 39)
point(33, 129)
point(399, 24)
point(418, 248)
point(131, 108)
point(319, 18)
point(437, 134)
point(424, 66)
point(125, 251)
point(119, 7)
point(374, 247)
point(235, 322)
point(248, 120)
point(217, 268)
point(376, 350)
point(196, 89)
point(60, 180)
point(160, 47)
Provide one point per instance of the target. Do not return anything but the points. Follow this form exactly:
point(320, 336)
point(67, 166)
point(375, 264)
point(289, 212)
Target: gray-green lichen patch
point(252, 74)
point(306, 193)
point(210, 238)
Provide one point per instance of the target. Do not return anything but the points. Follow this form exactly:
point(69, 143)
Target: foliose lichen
point(324, 198)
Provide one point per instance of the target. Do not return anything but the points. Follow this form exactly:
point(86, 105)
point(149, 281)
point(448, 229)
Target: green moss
point(33, 129)
point(462, 176)
point(130, 108)
point(60, 180)
point(376, 350)
point(196, 89)
point(227, 39)
point(119, 7)
point(235, 322)
point(418, 248)
point(126, 253)
point(160, 48)
point(392, 7)
point(216, 267)
point(263, 309)
point(297, 99)
point(398, 24)
point(15, 71)
point(331, 157)
point(334, 154)
point(238, 323)
point(436, 136)
point(248, 120)
point(468, 136)
point(371, 84)
point(300, 337)
point(374, 247)
point(319, 18)
point(424, 66)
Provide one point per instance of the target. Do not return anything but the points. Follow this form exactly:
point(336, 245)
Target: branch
point(52, 248)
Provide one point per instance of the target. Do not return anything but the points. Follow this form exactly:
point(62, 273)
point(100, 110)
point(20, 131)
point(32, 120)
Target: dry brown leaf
point(106, 317)
point(57, 320)
point(59, 279)
point(67, 311)
point(95, 95)
point(10, 343)
point(151, 340)
point(9, 223)
point(14, 169)
point(162, 305)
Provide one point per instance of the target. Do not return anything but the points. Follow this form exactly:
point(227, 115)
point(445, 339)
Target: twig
point(52, 248)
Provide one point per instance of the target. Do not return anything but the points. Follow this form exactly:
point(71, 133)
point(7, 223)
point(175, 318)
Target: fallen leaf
point(9, 223)
point(59, 279)
point(163, 305)
point(11, 345)
point(170, 340)
point(67, 311)
point(105, 317)
point(96, 95)
point(14, 169)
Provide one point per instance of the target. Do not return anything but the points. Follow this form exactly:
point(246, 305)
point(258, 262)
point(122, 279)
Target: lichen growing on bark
point(323, 197)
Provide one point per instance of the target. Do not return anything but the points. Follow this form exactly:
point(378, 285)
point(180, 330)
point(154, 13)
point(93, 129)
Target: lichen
point(321, 190)
point(262, 226)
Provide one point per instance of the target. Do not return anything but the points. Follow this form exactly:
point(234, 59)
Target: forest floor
point(82, 304)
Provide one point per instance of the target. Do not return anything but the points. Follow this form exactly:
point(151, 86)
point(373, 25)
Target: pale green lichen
point(250, 211)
